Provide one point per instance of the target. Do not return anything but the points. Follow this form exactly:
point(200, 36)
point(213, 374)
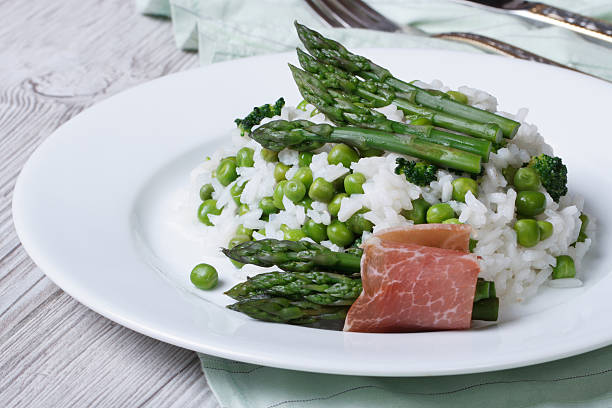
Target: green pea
point(294, 235)
point(242, 230)
point(269, 155)
point(243, 209)
point(358, 224)
point(472, 244)
point(316, 232)
point(461, 186)
point(530, 203)
point(418, 212)
point(342, 154)
point(565, 268)
point(304, 175)
point(230, 158)
point(295, 190)
point(207, 208)
point(267, 205)
point(321, 190)
point(304, 159)
point(206, 192)
point(527, 232)
point(439, 212)
point(334, 205)
point(338, 184)
point(226, 172)
point(509, 173)
point(236, 191)
point(284, 227)
point(244, 157)
point(238, 239)
point(458, 96)
point(546, 229)
point(204, 276)
point(526, 179)
point(452, 221)
point(339, 234)
point(353, 183)
point(306, 203)
point(279, 171)
point(582, 236)
point(277, 196)
point(422, 121)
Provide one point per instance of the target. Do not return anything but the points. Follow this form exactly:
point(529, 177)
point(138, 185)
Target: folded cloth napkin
point(226, 29)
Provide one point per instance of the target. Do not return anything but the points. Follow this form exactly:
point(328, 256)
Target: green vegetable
point(565, 268)
point(342, 154)
point(256, 116)
point(452, 221)
point(316, 232)
point(322, 288)
point(306, 203)
point(244, 157)
point(583, 227)
point(334, 205)
point(279, 171)
point(237, 240)
point(243, 209)
point(226, 172)
point(439, 212)
point(295, 190)
point(526, 179)
point(472, 244)
point(358, 224)
point(486, 309)
point(294, 234)
point(302, 135)
point(546, 229)
point(334, 54)
point(461, 186)
point(340, 234)
point(321, 190)
point(374, 93)
point(353, 183)
point(418, 212)
point(530, 203)
point(207, 208)
point(236, 191)
point(304, 175)
point(304, 159)
point(242, 230)
point(206, 192)
point(277, 195)
point(267, 205)
point(204, 276)
point(416, 172)
point(458, 96)
point(509, 173)
point(553, 174)
point(527, 232)
point(269, 155)
point(300, 256)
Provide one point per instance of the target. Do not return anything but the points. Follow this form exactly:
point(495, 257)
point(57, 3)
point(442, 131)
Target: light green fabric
point(226, 29)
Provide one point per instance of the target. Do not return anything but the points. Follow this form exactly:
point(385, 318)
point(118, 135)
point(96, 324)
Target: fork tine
point(374, 19)
point(344, 14)
point(325, 13)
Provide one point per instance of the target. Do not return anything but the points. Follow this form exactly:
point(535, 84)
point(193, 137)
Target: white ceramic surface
point(91, 204)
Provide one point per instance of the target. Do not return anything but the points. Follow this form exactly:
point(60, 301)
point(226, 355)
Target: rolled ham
point(417, 278)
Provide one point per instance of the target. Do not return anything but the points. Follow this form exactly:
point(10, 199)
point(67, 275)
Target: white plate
point(90, 208)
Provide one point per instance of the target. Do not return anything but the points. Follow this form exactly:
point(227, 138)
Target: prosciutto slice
point(416, 278)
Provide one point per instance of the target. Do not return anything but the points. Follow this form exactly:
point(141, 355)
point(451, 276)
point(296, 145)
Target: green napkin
point(227, 29)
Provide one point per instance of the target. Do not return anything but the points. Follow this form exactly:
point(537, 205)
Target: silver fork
point(357, 14)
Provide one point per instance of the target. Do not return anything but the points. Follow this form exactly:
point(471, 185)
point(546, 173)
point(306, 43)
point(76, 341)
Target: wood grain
point(56, 59)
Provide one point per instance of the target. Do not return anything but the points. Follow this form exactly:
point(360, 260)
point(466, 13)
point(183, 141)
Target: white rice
point(516, 271)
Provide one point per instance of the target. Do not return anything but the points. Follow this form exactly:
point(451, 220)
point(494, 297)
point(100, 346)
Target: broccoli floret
point(256, 116)
point(416, 172)
point(553, 174)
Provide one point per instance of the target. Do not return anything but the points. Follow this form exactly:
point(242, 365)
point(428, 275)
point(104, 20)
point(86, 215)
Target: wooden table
point(56, 59)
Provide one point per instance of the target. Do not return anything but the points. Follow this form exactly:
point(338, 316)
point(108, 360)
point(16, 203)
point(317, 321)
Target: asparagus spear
point(323, 288)
point(299, 312)
point(376, 94)
point(303, 135)
point(333, 53)
point(343, 109)
point(295, 256)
